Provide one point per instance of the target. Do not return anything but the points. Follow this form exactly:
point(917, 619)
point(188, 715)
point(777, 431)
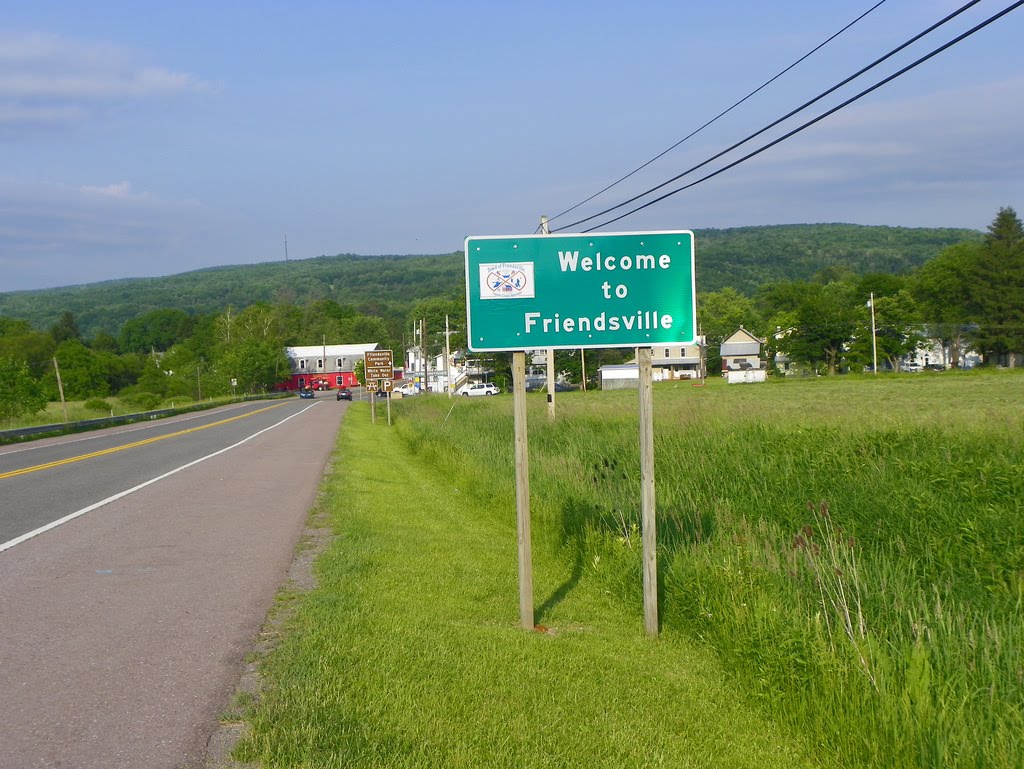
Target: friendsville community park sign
point(623, 289)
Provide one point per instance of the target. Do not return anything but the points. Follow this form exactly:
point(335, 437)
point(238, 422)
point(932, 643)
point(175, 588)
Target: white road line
point(144, 484)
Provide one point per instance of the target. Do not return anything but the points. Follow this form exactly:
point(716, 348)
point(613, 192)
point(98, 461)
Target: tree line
point(168, 353)
point(970, 296)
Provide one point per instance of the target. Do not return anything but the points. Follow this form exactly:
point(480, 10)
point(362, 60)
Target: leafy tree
point(254, 363)
point(65, 328)
point(998, 288)
point(20, 393)
point(249, 348)
point(719, 315)
point(943, 290)
point(157, 330)
point(19, 341)
point(104, 342)
point(825, 320)
point(81, 371)
point(120, 371)
point(880, 284)
point(322, 322)
point(363, 328)
point(897, 330)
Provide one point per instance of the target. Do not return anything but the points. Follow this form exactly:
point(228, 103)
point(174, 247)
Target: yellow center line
point(136, 444)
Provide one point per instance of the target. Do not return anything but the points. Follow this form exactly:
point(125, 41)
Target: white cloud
point(46, 80)
point(121, 190)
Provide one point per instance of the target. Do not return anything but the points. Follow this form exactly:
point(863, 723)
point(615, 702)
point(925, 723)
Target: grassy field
point(842, 579)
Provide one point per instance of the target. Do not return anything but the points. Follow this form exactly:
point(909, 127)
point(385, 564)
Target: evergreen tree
point(65, 329)
point(997, 289)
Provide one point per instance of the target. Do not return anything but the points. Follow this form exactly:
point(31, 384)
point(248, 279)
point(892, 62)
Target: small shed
point(620, 377)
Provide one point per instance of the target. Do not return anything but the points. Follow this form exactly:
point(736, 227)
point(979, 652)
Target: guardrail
point(20, 433)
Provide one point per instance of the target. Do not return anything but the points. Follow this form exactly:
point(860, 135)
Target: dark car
point(306, 393)
point(344, 394)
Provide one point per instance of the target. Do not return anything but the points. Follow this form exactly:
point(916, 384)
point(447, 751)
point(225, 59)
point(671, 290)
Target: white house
point(741, 358)
point(437, 373)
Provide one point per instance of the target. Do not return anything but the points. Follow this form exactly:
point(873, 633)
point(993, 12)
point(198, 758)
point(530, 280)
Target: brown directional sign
point(378, 364)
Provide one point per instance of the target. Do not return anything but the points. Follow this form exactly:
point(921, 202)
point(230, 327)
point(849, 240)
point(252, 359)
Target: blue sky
point(141, 139)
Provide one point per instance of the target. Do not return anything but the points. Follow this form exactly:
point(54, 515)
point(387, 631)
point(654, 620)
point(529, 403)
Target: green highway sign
point(621, 289)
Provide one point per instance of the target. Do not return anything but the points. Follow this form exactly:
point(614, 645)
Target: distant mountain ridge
point(744, 258)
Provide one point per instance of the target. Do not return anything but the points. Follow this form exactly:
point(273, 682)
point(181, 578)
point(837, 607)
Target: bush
point(141, 399)
point(96, 404)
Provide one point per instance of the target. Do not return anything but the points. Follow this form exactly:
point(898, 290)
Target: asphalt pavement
point(123, 630)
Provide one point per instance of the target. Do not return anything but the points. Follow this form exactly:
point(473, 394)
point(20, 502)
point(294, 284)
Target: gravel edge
point(232, 726)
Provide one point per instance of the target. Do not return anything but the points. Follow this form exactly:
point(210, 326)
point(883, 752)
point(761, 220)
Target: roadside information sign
point(387, 385)
point(378, 364)
point(623, 289)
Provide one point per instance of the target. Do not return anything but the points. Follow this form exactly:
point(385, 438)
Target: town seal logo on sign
point(507, 280)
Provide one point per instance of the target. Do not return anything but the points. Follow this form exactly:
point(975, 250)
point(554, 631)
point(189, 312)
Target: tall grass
point(408, 653)
point(853, 550)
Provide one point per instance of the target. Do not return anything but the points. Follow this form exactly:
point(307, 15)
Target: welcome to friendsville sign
point(623, 289)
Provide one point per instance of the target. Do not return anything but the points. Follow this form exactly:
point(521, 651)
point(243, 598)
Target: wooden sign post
point(522, 457)
point(649, 537)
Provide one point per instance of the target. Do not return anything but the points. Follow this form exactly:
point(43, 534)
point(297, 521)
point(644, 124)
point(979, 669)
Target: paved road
point(123, 630)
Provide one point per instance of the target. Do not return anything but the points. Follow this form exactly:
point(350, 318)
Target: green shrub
point(140, 399)
point(96, 404)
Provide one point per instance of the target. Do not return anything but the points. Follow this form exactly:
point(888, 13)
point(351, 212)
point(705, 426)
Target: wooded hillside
point(743, 258)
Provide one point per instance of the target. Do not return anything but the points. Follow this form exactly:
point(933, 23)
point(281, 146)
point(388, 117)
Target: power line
point(809, 123)
point(774, 123)
point(725, 112)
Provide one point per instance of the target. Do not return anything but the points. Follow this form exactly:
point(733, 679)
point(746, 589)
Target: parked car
point(407, 389)
point(344, 394)
point(479, 388)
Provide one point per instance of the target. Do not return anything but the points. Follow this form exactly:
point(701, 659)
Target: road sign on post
point(378, 364)
point(624, 289)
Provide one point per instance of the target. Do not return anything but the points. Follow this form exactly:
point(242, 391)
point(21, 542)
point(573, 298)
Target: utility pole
point(448, 358)
point(874, 342)
point(286, 246)
point(60, 388)
point(423, 353)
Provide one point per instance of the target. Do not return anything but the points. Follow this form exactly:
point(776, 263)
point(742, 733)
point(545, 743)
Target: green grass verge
point(852, 548)
point(409, 654)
